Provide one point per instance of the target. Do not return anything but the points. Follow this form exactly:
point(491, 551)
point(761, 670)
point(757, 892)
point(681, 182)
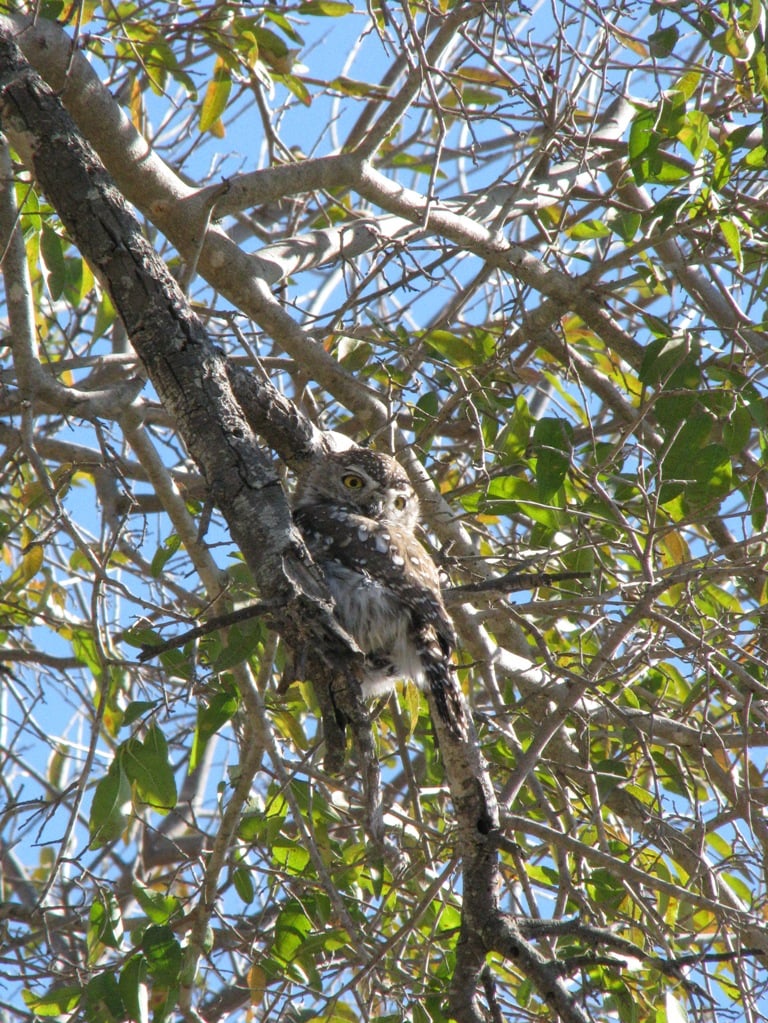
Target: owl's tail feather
point(448, 698)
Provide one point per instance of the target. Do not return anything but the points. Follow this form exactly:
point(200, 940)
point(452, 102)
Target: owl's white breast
point(376, 619)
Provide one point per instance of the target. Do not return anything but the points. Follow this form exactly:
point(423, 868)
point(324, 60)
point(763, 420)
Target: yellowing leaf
point(29, 566)
point(633, 44)
point(413, 705)
point(136, 105)
point(257, 983)
point(673, 549)
point(215, 99)
point(486, 76)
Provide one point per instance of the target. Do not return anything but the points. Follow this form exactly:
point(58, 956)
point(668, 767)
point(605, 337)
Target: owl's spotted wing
point(386, 553)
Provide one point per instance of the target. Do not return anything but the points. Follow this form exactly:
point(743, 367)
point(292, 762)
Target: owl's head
point(364, 481)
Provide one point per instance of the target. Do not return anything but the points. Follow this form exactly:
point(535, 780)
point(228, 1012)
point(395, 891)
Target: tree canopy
point(524, 249)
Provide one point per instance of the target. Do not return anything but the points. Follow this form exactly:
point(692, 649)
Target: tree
point(526, 252)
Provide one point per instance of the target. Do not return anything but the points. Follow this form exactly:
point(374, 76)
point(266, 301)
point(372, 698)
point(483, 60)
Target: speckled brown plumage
point(358, 514)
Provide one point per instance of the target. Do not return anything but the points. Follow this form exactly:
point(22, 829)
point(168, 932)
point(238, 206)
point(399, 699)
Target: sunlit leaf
point(58, 1002)
point(326, 8)
point(159, 907)
point(290, 857)
point(291, 930)
point(295, 85)
point(257, 983)
point(352, 87)
point(30, 565)
point(732, 235)
point(694, 134)
point(216, 96)
point(105, 924)
point(588, 229)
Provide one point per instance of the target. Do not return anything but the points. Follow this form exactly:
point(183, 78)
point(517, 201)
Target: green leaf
point(103, 1002)
point(105, 924)
point(425, 410)
point(758, 507)
point(626, 225)
point(671, 113)
point(737, 429)
point(159, 907)
point(295, 85)
point(552, 442)
point(52, 252)
point(79, 280)
point(712, 600)
point(688, 83)
point(712, 473)
point(694, 134)
point(85, 650)
point(474, 95)
point(588, 229)
point(643, 142)
point(274, 48)
point(241, 642)
point(757, 157)
point(353, 87)
point(671, 362)
point(58, 1002)
point(291, 857)
point(218, 708)
point(109, 809)
point(243, 882)
point(665, 171)
point(163, 955)
point(137, 709)
point(462, 350)
point(292, 928)
point(732, 235)
point(508, 494)
point(610, 774)
point(163, 554)
point(29, 566)
point(133, 989)
point(147, 766)
point(141, 637)
point(662, 41)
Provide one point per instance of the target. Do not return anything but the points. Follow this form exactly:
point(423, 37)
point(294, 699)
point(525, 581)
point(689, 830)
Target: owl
point(358, 514)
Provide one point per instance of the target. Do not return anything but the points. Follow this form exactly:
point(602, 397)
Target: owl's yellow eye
point(399, 503)
point(352, 481)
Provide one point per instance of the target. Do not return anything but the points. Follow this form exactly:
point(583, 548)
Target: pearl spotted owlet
point(358, 514)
